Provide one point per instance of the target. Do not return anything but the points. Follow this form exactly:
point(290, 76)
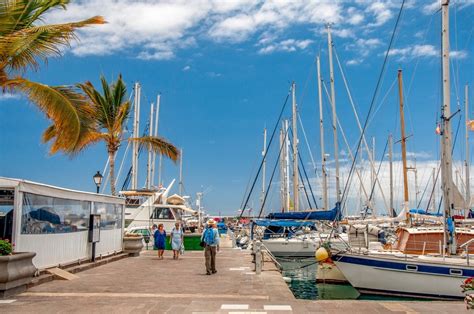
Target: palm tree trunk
point(112, 172)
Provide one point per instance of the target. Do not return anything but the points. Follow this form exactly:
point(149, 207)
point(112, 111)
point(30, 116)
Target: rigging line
point(304, 187)
point(303, 92)
point(383, 100)
point(307, 143)
point(371, 159)
point(378, 170)
point(273, 174)
point(382, 71)
point(423, 194)
point(248, 182)
point(301, 176)
point(439, 168)
point(348, 146)
point(418, 57)
point(266, 152)
point(309, 184)
point(349, 93)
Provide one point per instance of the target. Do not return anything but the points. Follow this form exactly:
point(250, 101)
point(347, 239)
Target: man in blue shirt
point(210, 236)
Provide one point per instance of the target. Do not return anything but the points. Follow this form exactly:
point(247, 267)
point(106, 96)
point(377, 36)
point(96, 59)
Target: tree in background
point(103, 117)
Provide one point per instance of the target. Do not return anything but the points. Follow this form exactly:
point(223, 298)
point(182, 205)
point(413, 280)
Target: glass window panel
point(110, 215)
point(161, 213)
point(45, 214)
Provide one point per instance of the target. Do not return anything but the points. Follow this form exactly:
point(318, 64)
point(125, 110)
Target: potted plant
point(16, 270)
point(132, 243)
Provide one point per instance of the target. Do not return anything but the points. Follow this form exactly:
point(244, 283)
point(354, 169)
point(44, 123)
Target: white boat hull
point(281, 247)
point(403, 277)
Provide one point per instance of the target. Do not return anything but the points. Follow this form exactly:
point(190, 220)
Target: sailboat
point(151, 205)
point(429, 276)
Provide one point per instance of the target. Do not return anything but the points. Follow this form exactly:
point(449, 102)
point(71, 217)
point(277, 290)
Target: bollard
point(234, 242)
point(258, 258)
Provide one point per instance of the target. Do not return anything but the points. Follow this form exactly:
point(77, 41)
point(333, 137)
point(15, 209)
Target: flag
point(470, 125)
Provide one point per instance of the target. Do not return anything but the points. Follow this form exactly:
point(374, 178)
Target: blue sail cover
point(282, 223)
point(423, 212)
point(333, 214)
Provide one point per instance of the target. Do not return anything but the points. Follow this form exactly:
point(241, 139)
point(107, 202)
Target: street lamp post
point(98, 180)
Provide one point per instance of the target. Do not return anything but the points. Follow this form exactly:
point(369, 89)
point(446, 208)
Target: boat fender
point(321, 254)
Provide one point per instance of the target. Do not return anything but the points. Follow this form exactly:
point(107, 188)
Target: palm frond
point(23, 48)
point(159, 145)
point(59, 103)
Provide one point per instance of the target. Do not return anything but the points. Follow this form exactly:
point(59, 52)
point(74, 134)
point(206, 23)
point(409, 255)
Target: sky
point(224, 68)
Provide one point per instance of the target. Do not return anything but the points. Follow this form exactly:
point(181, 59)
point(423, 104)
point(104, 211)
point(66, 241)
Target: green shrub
point(5, 248)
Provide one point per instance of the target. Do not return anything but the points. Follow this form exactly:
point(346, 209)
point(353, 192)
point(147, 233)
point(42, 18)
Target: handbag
point(203, 243)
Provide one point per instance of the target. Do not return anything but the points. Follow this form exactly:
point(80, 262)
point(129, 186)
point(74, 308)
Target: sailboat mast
point(446, 142)
point(321, 137)
point(264, 164)
point(390, 158)
point(295, 150)
point(150, 155)
point(403, 141)
point(136, 128)
point(466, 163)
point(181, 173)
point(334, 117)
point(282, 170)
point(287, 166)
point(155, 133)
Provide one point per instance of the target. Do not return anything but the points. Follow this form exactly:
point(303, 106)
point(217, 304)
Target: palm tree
point(24, 43)
point(103, 117)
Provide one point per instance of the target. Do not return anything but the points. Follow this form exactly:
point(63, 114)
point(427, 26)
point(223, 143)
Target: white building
point(54, 222)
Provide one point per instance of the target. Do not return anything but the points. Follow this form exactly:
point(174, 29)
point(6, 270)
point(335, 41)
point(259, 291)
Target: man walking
point(210, 236)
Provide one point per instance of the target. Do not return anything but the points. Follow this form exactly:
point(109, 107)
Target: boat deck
point(145, 284)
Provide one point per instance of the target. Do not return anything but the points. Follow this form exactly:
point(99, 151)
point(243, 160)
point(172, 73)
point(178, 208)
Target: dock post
point(258, 257)
point(232, 237)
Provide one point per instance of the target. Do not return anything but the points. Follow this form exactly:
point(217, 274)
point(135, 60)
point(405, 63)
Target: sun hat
point(211, 222)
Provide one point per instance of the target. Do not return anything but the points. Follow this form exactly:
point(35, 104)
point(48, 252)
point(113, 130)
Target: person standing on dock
point(160, 238)
point(176, 239)
point(211, 237)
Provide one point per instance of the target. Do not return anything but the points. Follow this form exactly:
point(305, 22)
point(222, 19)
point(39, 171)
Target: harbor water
point(300, 275)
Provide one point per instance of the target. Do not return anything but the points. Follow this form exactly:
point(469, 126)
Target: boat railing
point(466, 245)
point(271, 256)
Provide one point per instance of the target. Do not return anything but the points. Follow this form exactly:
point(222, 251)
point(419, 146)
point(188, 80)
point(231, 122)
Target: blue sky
point(223, 70)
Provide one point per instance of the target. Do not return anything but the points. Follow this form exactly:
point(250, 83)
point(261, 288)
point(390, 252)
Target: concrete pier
point(147, 285)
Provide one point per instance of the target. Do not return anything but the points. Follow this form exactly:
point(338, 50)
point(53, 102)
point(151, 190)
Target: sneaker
point(214, 271)
point(208, 273)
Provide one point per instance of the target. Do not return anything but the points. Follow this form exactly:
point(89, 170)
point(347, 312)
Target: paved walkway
point(148, 285)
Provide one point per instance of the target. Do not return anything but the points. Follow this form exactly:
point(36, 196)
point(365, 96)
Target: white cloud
point(458, 54)
point(288, 45)
point(415, 51)
point(355, 17)
point(213, 74)
point(431, 8)
point(158, 29)
point(354, 62)
point(381, 12)
point(9, 96)
point(186, 68)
